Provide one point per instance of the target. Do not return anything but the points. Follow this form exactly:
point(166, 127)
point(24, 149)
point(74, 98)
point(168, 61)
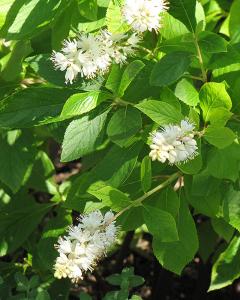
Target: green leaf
point(231, 208)
point(136, 297)
point(25, 20)
point(43, 66)
point(110, 197)
point(210, 42)
point(21, 281)
point(184, 11)
point(170, 68)
point(115, 22)
point(62, 26)
point(213, 96)
point(220, 137)
point(129, 75)
point(114, 78)
point(160, 224)
point(128, 220)
point(183, 43)
point(140, 87)
point(83, 135)
point(167, 200)
point(16, 160)
point(224, 163)
point(81, 103)
point(227, 268)
point(222, 228)
point(219, 116)
point(160, 112)
point(84, 296)
point(118, 165)
point(234, 21)
point(168, 96)
point(5, 6)
point(11, 64)
point(175, 255)
point(192, 166)
point(172, 27)
point(125, 123)
point(55, 227)
point(91, 26)
point(43, 295)
point(146, 174)
point(17, 223)
point(89, 9)
point(207, 240)
point(126, 278)
point(205, 195)
point(186, 92)
point(34, 106)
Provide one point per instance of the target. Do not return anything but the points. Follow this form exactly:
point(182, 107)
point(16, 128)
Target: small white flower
point(174, 143)
point(84, 245)
point(143, 15)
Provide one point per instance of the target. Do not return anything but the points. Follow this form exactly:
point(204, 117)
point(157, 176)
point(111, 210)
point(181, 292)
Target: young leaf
point(160, 112)
point(83, 136)
point(160, 224)
point(213, 95)
point(125, 123)
point(186, 92)
point(172, 27)
point(170, 68)
point(146, 173)
point(115, 22)
point(227, 268)
point(220, 137)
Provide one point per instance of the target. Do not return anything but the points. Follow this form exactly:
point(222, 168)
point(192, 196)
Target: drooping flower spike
point(174, 143)
point(144, 15)
point(85, 244)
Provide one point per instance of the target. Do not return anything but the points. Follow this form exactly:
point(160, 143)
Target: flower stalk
point(139, 201)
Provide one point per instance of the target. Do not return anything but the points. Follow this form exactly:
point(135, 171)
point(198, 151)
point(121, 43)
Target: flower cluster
point(84, 245)
point(174, 143)
point(92, 54)
point(143, 15)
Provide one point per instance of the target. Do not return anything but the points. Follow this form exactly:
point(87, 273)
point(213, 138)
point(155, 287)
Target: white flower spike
point(143, 15)
point(174, 143)
point(84, 245)
point(91, 55)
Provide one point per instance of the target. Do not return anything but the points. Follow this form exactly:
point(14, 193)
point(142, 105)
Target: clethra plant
point(117, 116)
